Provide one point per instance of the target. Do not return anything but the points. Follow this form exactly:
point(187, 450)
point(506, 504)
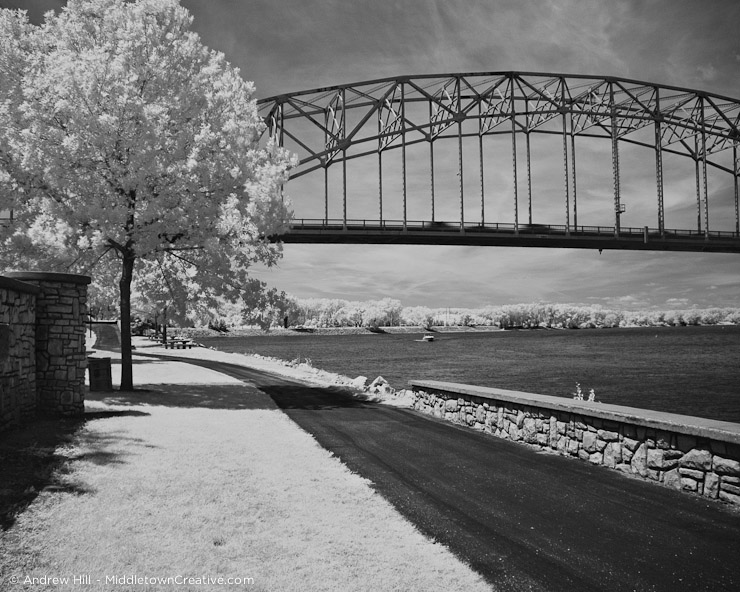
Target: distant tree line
point(388, 312)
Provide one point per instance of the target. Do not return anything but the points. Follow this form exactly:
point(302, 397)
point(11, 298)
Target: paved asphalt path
point(525, 520)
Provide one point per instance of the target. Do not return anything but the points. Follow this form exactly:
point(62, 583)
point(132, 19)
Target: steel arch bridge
point(491, 159)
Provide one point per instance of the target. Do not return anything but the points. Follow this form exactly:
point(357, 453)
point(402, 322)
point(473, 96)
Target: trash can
point(100, 376)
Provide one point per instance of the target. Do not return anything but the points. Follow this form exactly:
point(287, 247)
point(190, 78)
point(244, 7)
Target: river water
point(686, 370)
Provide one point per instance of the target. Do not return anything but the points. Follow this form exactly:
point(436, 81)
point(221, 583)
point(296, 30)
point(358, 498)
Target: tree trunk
point(127, 274)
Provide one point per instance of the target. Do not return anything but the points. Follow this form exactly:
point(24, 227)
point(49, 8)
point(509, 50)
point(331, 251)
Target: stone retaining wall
point(45, 370)
point(695, 455)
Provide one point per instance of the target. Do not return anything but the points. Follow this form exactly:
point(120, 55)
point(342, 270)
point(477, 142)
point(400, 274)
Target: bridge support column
point(326, 193)
point(565, 169)
point(482, 187)
point(615, 174)
point(513, 155)
point(529, 180)
point(403, 150)
point(573, 173)
point(736, 169)
point(659, 176)
point(698, 187)
point(704, 173)
point(460, 174)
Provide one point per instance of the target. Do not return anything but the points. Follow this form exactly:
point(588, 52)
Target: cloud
point(292, 45)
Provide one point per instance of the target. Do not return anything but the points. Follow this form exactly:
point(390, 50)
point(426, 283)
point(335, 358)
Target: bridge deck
point(500, 234)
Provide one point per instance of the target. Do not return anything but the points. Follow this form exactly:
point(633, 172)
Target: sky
point(292, 45)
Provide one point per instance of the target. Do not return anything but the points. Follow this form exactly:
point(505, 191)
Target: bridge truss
point(331, 127)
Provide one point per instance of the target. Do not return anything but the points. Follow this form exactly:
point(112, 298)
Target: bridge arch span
point(533, 159)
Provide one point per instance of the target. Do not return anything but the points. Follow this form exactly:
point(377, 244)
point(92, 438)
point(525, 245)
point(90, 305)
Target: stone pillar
point(61, 361)
point(18, 399)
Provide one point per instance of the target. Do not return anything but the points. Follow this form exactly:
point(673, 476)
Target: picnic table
point(179, 343)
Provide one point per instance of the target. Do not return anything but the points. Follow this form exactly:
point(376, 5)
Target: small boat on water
point(426, 339)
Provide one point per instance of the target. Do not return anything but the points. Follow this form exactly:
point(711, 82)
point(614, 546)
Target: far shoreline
point(194, 333)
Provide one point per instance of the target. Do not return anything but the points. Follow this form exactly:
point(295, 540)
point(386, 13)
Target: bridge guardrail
point(505, 227)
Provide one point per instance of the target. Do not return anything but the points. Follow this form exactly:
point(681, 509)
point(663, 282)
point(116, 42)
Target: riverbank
point(204, 332)
point(194, 333)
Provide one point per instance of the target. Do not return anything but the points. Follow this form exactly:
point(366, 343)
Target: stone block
point(597, 458)
point(480, 414)
point(589, 442)
point(451, 405)
point(672, 479)
point(639, 461)
point(573, 447)
point(630, 443)
point(583, 455)
point(612, 454)
point(729, 497)
point(729, 488)
point(693, 473)
point(697, 458)
point(608, 436)
point(689, 484)
point(529, 430)
point(658, 458)
point(731, 480)
point(711, 485)
point(726, 466)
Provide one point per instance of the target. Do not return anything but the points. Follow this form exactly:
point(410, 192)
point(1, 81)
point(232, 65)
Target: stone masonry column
point(61, 361)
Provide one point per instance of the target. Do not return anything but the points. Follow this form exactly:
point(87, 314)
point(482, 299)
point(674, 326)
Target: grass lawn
point(205, 482)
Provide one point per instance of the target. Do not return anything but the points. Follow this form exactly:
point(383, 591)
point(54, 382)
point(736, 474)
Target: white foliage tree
point(122, 134)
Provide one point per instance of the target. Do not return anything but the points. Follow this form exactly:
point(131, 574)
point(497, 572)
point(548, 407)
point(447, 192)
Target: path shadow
point(35, 457)
point(315, 398)
point(189, 396)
